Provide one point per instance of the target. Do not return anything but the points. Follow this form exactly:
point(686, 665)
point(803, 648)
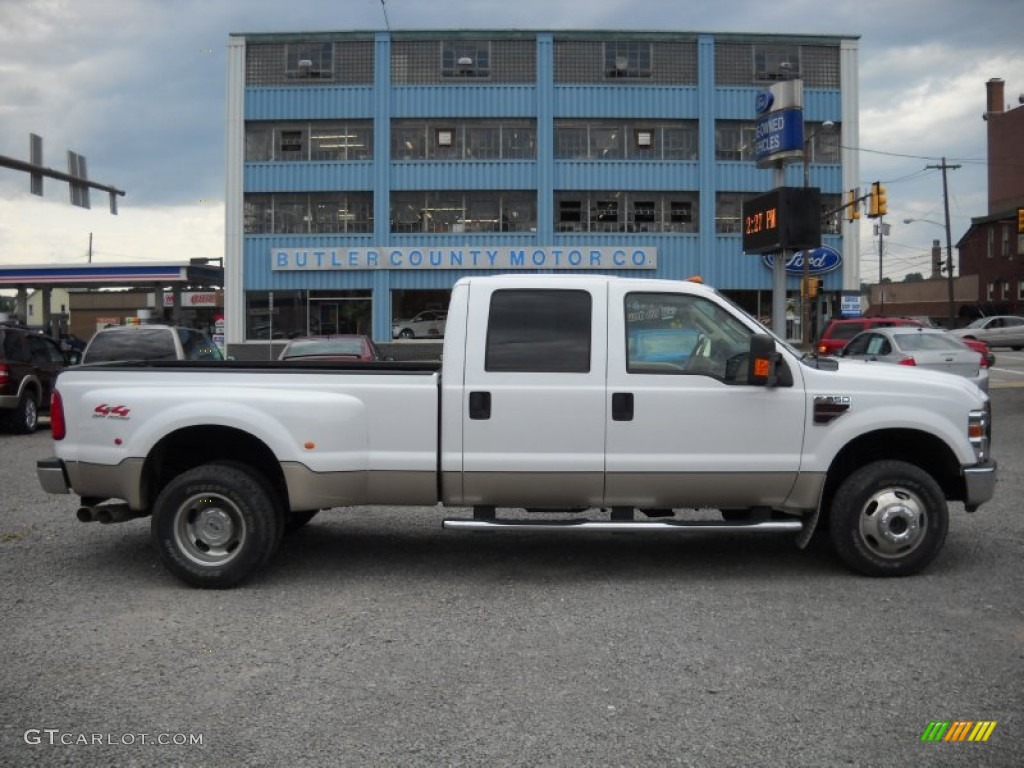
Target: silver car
point(930, 348)
point(427, 324)
point(996, 331)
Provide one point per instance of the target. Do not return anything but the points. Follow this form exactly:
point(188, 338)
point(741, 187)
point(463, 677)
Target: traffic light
point(878, 202)
point(1020, 221)
point(810, 287)
point(853, 205)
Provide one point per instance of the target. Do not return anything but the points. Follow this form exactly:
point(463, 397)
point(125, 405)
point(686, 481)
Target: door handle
point(622, 406)
point(479, 405)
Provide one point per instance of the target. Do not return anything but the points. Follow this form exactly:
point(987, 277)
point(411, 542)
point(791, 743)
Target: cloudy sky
point(138, 87)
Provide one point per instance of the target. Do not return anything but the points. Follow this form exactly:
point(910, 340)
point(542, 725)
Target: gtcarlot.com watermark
point(56, 737)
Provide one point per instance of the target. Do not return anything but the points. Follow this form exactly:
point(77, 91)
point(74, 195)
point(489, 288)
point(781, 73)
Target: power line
point(384, 8)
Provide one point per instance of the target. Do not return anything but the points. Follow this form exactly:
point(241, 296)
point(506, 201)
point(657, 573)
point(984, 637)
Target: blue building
point(367, 171)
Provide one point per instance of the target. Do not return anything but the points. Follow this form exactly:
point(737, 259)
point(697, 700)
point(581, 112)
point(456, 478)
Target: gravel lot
point(375, 638)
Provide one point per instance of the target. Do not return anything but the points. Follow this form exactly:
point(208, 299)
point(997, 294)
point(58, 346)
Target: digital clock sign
point(785, 219)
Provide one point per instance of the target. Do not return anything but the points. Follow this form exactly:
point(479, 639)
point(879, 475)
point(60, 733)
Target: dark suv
point(29, 363)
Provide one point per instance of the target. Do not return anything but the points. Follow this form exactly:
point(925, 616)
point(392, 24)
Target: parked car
point(149, 342)
point(980, 347)
point(996, 331)
point(930, 348)
point(29, 364)
point(341, 347)
point(426, 324)
point(839, 331)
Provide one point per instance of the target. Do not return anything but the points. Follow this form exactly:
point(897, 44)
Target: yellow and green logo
point(958, 730)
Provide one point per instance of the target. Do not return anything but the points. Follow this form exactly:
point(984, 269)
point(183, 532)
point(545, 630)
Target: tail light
point(5, 374)
point(984, 361)
point(822, 349)
point(907, 361)
point(58, 427)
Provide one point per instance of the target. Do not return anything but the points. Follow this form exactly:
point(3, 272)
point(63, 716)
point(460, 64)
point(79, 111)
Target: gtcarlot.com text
point(56, 737)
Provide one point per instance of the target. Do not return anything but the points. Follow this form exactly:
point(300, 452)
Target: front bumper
point(52, 475)
point(979, 484)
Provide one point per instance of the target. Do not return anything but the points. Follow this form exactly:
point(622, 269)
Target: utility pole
point(881, 286)
point(949, 241)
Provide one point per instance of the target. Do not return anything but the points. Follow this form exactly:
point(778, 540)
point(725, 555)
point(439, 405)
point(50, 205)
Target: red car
point(352, 348)
point(838, 332)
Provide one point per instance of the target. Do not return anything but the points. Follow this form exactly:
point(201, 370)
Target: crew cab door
point(533, 397)
point(684, 428)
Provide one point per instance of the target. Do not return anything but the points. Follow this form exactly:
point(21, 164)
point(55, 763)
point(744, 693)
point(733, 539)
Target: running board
point(622, 526)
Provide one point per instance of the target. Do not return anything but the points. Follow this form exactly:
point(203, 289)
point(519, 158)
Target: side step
point(622, 526)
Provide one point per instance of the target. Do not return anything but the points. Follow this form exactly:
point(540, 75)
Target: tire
point(407, 333)
point(24, 419)
point(295, 520)
point(216, 525)
point(889, 518)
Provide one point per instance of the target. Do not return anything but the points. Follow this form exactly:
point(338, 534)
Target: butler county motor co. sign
point(505, 258)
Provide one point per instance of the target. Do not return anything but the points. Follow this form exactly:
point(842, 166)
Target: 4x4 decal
point(104, 411)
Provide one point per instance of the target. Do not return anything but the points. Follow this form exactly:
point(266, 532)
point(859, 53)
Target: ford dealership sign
point(820, 261)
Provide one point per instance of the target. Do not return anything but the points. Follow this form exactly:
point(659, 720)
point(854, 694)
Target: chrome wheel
point(893, 523)
point(209, 529)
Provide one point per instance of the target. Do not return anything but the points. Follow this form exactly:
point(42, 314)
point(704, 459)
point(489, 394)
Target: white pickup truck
point(564, 403)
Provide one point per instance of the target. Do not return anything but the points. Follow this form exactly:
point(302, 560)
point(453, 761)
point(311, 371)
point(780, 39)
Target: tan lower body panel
point(323, 490)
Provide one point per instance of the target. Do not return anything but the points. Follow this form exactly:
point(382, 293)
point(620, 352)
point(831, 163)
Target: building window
point(831, 216)
point(608, 140)
point(728, 212)
point(475, 211)
point(605, 216)
point(306, 213)
point(627, 59)
point(1020, 290)
point(625, 211)
point(991, 290)
point(314, 61)
point(734, 140)
point(465, 140)
point(990, 241)
point(539, 331)
point(301, 142)
point(466, 59)
point(823, 146)
point(1004, 232)
point(776, 62)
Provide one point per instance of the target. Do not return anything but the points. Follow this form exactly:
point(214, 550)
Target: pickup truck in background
point(594, 403)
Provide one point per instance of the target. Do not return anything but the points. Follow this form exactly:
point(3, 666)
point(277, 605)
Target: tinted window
point(15, 350)
point(131, 344)
point(847, 330)
point(912, 342)
point(679, 333)
point(859, 345)
point(197, 345)
point(539, 331)
point(44, 351)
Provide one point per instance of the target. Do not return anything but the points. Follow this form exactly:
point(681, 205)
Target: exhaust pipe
point(108, 513)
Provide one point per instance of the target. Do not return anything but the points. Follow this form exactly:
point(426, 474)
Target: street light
point(949, 267)
point(805, 298)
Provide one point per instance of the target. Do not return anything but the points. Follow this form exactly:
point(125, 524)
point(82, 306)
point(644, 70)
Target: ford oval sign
point(764, 102)
point(821, 260)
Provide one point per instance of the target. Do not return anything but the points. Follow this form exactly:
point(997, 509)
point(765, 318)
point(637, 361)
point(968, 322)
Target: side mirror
point(765, 366)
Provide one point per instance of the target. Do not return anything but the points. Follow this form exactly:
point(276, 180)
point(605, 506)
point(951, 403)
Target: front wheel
point(215, 525)
point(889, 518)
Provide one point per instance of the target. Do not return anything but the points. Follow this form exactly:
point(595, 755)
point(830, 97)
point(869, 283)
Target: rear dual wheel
point(216, 525)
